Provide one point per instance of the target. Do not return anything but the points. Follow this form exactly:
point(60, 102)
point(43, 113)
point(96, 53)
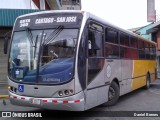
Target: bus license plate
point(36, 101)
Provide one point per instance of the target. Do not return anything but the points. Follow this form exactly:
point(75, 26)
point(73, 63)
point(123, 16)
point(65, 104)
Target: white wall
point(16, 4)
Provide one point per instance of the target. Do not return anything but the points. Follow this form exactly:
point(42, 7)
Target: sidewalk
point(157, 81)
point(3, 92)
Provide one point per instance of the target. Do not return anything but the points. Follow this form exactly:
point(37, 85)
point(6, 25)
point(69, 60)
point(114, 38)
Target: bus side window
point(112, 51)
point(90, 43)
point(124, 40)
point(94, 44)
point(133, 42)
point(95, 52)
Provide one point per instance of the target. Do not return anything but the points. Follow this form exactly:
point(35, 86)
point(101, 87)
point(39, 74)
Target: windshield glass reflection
point(56, 53)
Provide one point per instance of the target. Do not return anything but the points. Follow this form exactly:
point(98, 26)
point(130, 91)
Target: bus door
point(95, 71)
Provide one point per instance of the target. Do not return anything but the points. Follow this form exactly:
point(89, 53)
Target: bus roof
point(52, 11)
point(90, 15)
point(118, 28)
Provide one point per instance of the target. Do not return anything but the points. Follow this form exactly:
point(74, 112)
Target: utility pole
point(151, 12)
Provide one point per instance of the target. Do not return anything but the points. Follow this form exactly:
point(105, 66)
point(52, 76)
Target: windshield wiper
point(53, 35)
point(35, 46)
point(40, 52)
point(30, 37)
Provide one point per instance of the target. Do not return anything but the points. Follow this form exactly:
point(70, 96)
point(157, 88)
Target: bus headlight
point(9, 87)
point(63, 93)
point(12, 89)
point(60, 93)
point(66, 92)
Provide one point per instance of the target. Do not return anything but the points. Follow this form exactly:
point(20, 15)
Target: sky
point(126, 14)
point(123, 13)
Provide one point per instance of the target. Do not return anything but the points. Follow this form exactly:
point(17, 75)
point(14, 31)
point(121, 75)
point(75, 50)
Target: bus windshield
point(43, 56)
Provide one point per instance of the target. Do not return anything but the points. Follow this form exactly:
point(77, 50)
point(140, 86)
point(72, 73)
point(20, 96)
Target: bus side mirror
point(5, 49)
point(6, 40)
point(89, 45)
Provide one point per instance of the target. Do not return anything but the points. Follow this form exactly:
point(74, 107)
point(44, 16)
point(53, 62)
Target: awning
point(8, 16)
point(154, 28)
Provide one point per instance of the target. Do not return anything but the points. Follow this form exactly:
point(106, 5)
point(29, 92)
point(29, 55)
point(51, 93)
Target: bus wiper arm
point(30, 37)
point(35, 46)
point(39, 55)
point(53, 35)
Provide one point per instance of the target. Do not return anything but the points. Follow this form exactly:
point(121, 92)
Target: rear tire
point(148, 81)
point(113, 94)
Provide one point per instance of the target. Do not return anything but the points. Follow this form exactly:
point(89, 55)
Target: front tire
point(113, 94)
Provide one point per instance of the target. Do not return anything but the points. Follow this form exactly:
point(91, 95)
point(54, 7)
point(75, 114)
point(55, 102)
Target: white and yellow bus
point(74, 60)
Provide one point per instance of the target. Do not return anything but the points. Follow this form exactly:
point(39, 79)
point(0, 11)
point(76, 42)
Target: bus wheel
point(147, 82)
point(113, 94)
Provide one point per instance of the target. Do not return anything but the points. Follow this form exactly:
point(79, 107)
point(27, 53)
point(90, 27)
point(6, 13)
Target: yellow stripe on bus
point(141, 68)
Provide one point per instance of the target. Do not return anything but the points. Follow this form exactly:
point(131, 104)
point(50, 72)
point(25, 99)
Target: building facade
point(70, 4)
point(142, 31)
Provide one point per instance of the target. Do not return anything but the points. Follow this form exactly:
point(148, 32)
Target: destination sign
point(48, 20)
point(24, 23)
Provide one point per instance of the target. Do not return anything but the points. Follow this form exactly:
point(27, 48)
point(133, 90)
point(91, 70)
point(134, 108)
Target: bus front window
point(55, 54)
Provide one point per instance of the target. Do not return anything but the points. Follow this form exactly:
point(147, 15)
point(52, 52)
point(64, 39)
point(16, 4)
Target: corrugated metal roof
point(8, 16)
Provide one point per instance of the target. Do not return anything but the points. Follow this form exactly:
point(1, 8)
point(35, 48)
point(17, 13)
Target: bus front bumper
point(71, 103)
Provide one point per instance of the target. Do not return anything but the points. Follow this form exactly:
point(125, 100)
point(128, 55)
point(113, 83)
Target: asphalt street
point(135, 102)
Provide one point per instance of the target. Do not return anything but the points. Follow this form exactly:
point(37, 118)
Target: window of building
point(66, 2)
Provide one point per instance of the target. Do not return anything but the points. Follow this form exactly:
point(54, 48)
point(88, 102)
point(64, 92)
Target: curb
point(4, 97)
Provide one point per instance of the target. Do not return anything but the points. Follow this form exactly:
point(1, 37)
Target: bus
point(74, 61)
